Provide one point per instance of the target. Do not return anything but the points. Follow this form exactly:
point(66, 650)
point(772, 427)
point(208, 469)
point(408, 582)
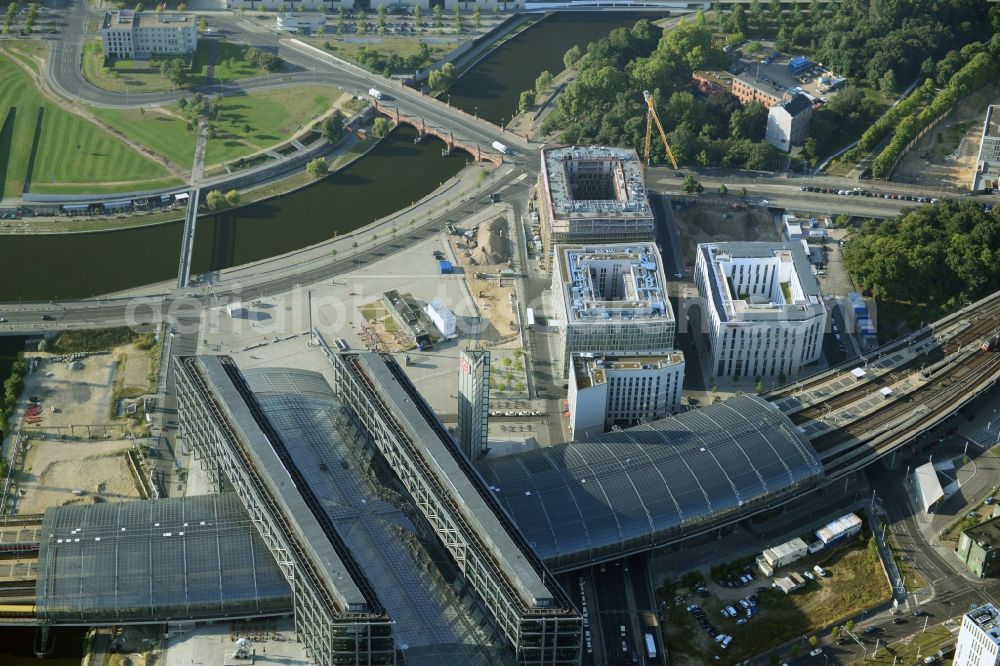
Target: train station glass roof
point(627, 491)
point(153, 560)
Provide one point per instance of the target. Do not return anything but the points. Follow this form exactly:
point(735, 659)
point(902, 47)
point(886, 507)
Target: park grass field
point(229, 62)
point(164, 134)
point(70, 149)
point(271, 117)
point(118, 77)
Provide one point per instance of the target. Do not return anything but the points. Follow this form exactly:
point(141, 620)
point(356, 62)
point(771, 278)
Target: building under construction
point(593, 194)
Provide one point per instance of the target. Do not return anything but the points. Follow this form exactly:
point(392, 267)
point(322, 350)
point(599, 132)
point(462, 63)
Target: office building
point(304, 22)
point(787, 123)
point(764, 313)
point(592, 195)
point(987, 174)
point(748, 88)
point(607, 391)
point(473, 402)
point(611, 299)
point(979, 638)
point(129, 34)
point(979, 547)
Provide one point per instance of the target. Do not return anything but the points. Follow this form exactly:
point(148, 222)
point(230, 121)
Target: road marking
point(521, 177)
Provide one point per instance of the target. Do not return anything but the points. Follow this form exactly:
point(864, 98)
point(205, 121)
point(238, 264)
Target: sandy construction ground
point(55, 468)
point(947, 154)
point(705, 223)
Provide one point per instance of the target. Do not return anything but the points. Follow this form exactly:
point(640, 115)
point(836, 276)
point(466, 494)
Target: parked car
point(899, 620)
point(820, 571)
point(817, 652)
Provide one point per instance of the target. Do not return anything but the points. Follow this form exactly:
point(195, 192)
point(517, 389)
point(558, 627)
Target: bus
point(530, 316)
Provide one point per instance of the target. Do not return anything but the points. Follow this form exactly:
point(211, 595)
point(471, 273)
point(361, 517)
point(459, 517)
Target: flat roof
point(562, 166)
point(463, 483)
point(986, 534)
point(590, 368)
point(732, 308)
point(627, 491)
point(321, 438)
point(928, 485)
point(327, 556)
point(158, 20)
point(156, 560)
point(637, 293)
point(761, 85)
point(987, 618)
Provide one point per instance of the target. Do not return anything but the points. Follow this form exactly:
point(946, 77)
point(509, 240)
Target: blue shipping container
point(445, 266)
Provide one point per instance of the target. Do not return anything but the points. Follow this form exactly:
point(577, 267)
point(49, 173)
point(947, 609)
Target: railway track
point(850, 447)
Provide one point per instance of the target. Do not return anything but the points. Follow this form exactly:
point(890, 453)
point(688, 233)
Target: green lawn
point(70, 149)
point(119, 75)
point(229, 62)
point(272, 116)
point(163, 134)
point(402, 46)
point(26, 50)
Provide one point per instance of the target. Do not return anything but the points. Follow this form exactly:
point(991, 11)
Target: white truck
point(500, 148)
point(375, 93)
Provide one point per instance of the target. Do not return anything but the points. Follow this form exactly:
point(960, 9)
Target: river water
point(491, 89)
point(394, 174)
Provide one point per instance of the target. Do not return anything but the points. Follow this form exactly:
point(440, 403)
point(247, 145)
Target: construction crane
point(650, 117)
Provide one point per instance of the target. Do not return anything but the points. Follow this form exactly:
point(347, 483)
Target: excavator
point(652, 116)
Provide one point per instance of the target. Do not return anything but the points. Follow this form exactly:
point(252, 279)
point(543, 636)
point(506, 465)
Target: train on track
point(991, 343)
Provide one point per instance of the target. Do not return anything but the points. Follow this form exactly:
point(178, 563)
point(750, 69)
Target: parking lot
point(774, 70)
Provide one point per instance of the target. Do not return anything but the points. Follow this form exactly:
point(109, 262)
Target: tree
point(138, 7)
point(441, 79)
point(182, 6)
point(519, 387)
point(381, 127)
point(215, 200)
point(887, 83)
point(723, 190)
point(507, 362)
point(737, 21)
point(477, 18)
point(525, 101)
point(174, 70)
point(318, 167)
point(380, 20)
point(572, 56)
point(438, 13)
point(43, 345)
point(203, 25)
point(743, 191)
point(849, 625)
point(332, 128)
point(760, 387)
point(692, 186)
point(232, 198)
point(812, 641)
point(835, 632)
point(543, 81)
point(458, 19)
point(417, 14)
point(360, 23)
point(782, 379)
point(796, 648)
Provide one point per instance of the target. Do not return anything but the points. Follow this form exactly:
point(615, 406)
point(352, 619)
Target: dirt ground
point(80, 392)
point(481, 260)
point(947, 154)
point(54, 468)
point(704, 223)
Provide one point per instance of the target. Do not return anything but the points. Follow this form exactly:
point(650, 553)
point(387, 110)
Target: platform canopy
point(928, 486)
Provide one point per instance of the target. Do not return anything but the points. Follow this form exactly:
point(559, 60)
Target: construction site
point(716, 223)
point(79, 430)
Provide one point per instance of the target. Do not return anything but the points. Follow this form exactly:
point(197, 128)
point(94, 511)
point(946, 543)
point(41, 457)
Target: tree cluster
point(263, 59)
point(441, 79)
point(332, 128)
point(866, 39)
point(605, 103)
point(981, 70)
point(392, 63)
point(174, 70)
point(939, 255)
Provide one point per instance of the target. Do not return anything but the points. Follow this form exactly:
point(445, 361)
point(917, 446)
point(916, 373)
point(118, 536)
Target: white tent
point(928, 486)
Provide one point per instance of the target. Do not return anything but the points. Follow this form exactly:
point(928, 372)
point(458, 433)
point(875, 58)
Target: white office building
point(611, 299)
point(762, 307)
point(592, 194)
point(988, 162)
point(979, 638)
point(129, 34)
point(607, 391)
point(788, 122)
point(305, 22)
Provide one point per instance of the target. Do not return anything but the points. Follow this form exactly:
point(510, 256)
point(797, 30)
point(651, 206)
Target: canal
point(16, 647)
point(393, 175)
point(396, 173)
point(492, 87)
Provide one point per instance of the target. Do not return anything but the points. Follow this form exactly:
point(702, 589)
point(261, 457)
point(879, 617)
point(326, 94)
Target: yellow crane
point(650, 117)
